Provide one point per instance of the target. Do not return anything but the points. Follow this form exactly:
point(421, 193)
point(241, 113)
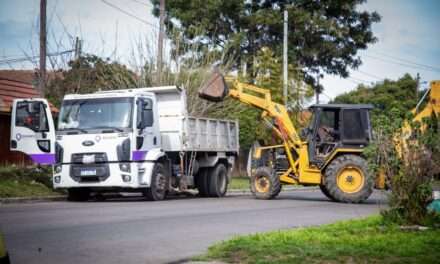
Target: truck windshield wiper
point(76, 130)
point(108, 127)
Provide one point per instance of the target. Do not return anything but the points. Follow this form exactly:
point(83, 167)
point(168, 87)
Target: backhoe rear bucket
point(215, 88)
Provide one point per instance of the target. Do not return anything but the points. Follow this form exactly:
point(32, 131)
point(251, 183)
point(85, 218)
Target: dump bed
point(181, 132)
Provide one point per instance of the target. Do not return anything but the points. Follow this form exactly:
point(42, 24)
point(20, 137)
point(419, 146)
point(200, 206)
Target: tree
point(324, 35)
point(384, 96)
point(88, 74)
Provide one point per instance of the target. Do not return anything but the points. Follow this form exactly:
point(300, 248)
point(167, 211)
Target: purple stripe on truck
point(47, 159)
point(139, 155)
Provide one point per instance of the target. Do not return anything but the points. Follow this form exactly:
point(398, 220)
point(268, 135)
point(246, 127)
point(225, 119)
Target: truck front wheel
point(218, 181)
point(159, 184)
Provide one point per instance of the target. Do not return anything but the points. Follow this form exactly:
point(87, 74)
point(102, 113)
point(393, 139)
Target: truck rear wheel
point(265, 183)
point(201, 182)
point(159, 184)
point(78, 194)
point(218, 181)
point(348, 180)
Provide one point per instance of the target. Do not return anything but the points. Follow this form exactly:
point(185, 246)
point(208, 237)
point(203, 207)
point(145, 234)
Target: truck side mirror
point(145, 114)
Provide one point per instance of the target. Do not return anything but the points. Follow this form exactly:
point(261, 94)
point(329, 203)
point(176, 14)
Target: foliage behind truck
point(127, 140)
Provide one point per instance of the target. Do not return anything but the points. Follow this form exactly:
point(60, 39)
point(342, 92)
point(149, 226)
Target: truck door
point(147, 128)
point(33, 130)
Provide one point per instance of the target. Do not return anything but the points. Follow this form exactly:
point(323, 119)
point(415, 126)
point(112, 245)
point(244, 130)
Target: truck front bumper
point(138, 176)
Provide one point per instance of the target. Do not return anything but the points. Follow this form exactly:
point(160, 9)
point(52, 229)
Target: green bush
point(41, 175)
point(409, 170)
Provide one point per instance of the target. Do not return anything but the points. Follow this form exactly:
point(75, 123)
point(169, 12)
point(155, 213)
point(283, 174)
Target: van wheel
point(202, 182)
point(347, 179)
point(159, 184)
point(78, 194)
point(218, 181)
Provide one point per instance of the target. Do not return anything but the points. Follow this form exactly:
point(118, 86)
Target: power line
point(143, 3)
point(129, 14)
point(371, 75)
point(402, 64)
point(32, 58)
point(407, 61)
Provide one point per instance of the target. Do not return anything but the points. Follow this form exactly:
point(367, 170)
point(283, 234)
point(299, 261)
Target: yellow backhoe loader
point(328, 153)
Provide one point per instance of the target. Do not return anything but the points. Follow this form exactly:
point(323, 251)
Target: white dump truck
point(139, 140)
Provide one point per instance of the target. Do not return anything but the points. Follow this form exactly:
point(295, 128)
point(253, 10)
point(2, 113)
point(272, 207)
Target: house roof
point(12, 89)
point(23, 76)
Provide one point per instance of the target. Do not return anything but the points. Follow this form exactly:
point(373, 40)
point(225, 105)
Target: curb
point(32, 199)
point(286, 189)
point(55, 198)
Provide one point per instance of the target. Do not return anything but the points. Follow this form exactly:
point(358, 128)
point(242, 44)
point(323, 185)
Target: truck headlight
point(124, 167)
point(58, 168)
point(126, 178)
point(57, 179)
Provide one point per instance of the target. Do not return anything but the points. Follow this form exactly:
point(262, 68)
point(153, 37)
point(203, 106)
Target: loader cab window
point(328, 126)
point(327, 132)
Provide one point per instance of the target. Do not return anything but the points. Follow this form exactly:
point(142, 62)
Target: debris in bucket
point(215, 88)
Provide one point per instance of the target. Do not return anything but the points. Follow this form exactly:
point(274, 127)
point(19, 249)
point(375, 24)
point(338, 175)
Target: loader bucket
point(215, 88)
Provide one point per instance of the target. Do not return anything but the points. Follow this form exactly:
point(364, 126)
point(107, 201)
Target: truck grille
point(96, 171)
point(78, 158)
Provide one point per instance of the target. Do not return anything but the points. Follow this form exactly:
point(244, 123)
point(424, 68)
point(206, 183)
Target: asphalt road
point(135, 231)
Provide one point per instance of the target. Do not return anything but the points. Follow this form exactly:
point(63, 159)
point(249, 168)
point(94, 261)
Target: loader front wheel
point(265, 183)
point(347, 179)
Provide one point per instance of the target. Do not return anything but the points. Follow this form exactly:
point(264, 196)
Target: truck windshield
point(94, 114)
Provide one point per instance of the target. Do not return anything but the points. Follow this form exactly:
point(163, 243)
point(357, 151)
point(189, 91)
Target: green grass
point(15, 188)
point(356, 241)
point(239, 183)
point(25, 181)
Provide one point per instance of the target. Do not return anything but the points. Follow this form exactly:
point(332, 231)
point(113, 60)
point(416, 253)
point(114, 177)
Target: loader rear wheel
point(348, 180)
point(325, 192)
point(202, 182)
point(159, 184)
point(218, 181)
point(265, 183)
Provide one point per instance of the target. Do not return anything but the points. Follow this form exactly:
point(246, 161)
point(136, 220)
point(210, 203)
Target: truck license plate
point(88, 172)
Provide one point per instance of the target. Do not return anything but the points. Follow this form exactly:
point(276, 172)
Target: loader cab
point(336, 126)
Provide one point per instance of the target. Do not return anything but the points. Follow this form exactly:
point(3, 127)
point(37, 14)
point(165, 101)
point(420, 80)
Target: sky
point(408, 36)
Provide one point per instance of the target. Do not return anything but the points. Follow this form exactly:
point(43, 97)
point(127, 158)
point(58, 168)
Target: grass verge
point(239, 183)
point(357, 241)
point(25, 181)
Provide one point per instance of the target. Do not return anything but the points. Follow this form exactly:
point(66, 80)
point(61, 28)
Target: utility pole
point(285, 62)
point(161, 36)
point(317, 89)
point(78, 47)
point(417, 86)
point(42, 83)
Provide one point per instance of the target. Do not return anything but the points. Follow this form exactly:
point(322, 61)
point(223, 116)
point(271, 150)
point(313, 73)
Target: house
point(14, 84)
